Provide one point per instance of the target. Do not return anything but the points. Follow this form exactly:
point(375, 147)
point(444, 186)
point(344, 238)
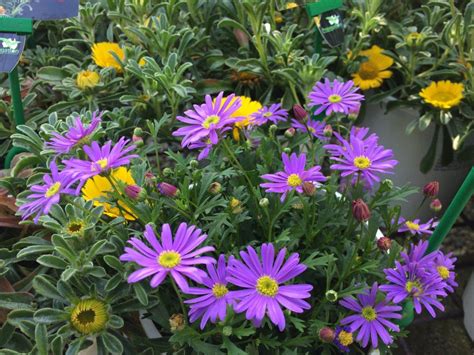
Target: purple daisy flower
point(102, 159)
point(372, 318)
point(357, 132)
point(262, 282)
point(417, 254)
point(355, 156)
point(415, 282)
point(335, 96)
point(274, 113)
point(343, 338)
point(316, 128)
point(76, 135)
point(172, 256)
point(43, 197)
point(208, 119)
point(214, 298)
point(293, 176)
point(415, 227)
point(443, 265)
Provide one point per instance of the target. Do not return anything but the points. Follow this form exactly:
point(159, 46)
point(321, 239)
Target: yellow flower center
point(311, 129)
point(267, 114)
point(362, 162)
point(169, 259)
point(89, 316)
point(345, 338)
point(443, 96)
point(267, 286)
point(443, 272)
point(53, 189)
point(210, 120)
point(75, 227)
point(294, 180)
point(335, 99)
point(369, 313)
point(414, 287)
point(368, 71)
point(219, 290)
point(102, 163)
point(412, 225)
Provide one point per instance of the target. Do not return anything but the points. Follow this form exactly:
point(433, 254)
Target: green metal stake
point(452, 212)
point(16, 96)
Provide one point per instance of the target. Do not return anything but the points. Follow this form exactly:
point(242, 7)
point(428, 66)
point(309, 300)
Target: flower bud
point(360, 210)
point(273, 128)
point(167, 171)
point(354, 113)
point(138, 132)
point(290, 132)
point(264, 202)
point(137, 140)
point(227, 331)
point(235, 206)
point(431, 189)
point(300, 113)
point(308, 188)
point(327, 131)
point(387, 183)
point(149, 177)
point(135, 192)
point(241, 38)
point(215, 188)
point(167, 189)
point(297, 206)
point(332, 296)
point(194, 163)
point(177, 322)
point(384, 243)
point(436, 205)
point(287, 150)
point(327, 334)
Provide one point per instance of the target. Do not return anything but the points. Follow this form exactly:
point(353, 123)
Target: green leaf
point(44, 287)
point(50, 315)
point(114, 263)
point(41, 339)
point(6, 333)
point(141, 294)
point(52, 74)
point(232, 349)
point(115, 322)
point(18, 316)
point(15, 300)
point(34, 249)
point(52, 261)
point(57, 346)
point(74, 346)
point(111, 343)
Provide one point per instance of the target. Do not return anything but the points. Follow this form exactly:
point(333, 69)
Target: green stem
point(176, 290)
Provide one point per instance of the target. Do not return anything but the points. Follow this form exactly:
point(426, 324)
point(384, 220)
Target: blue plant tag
point(11, 47)
point(40, 9)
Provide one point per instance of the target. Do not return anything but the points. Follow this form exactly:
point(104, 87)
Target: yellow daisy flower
point(246, 110)
point(98, 189)
point(443, 94)
point(141, 62)
point(87, 79)
point(101, 54)
point(291, 5)
point(89, 316)
point(372, 72)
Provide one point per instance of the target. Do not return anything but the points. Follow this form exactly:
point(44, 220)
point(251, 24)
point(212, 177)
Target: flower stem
point(176, 290)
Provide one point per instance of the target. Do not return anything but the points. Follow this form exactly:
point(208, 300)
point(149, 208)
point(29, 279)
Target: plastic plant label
point(40, 9)
point(11, 47)
point(331, 27)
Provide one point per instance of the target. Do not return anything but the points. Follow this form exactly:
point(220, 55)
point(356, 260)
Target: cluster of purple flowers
point(258, 281)
point(100, 160)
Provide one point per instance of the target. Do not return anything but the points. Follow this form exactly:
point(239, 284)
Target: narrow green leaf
point(15, 300)
point(41, 339)
point(44, 287)
point(111, 343)
point(50, 315)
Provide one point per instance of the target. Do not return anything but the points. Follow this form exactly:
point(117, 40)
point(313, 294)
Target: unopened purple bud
point(167, 189)
point(360, 210)
point(300, 113)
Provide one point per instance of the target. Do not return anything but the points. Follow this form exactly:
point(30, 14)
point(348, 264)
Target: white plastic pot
point(468, 306)
point(409, 150)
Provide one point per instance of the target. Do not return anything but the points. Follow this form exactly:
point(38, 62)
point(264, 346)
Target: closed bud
point(149, 177)
point(167, 189)
point(137, 140)
point(387, 183)
point(308, 188)
point(290, 132)
point(431, 189)
point(235, 206)
point(384, 243)
point(177, 322)
point(327, 334)
point(327, 131)
point(215, 188)
point(273, 128)
point(297, 206)
point(360, 210)
point(287, 150)
point(241, 38)
point(436, 205)
point(332, 296)
point(300, 113)
point(264, 202)
point(167, 171)
point(354, 113)
point(194, 163)
point(135, 192)
point(138, 132)
point(227, 331)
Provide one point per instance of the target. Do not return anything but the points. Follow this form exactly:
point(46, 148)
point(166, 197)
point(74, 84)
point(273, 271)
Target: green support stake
point(16, 97)
point(452, 213)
